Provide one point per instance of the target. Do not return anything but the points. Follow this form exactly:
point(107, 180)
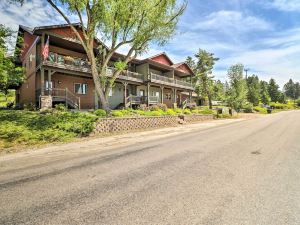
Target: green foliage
point(31, 128)
point(298, 102)
point(253, 94)
point(237, 92)
point(170, 112)
point(10, 74)
point(273, 89)
point(260, 110)
point(264, 94)
point(100, 113)
point(206, 111)
point(187, 111)
point(291, 89)
point(248, 108)
point(61, 107)
point(117, 113)
point(281, 106)
point(202, 68)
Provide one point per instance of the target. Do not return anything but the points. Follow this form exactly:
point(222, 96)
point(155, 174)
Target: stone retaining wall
point(112, 125)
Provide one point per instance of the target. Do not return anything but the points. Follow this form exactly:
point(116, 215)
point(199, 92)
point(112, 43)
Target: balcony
point(155, 78)
point(67, 63)
point(126, 75)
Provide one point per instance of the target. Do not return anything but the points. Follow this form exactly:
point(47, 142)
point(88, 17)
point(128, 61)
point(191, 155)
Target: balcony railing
point(170, 81)
point(126, 75)
point(67, 62)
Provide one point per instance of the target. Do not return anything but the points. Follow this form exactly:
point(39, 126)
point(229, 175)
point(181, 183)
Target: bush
point(170, 112)
point(260, 110)
point(117, 113)
point(154, 113)
point(61, 107)
point(206, 111)
point(281, 106)
point(298, 102)
point(248, 108)
point(178, 110)
point(9, 105)
point(187, 111)
point(100, 113)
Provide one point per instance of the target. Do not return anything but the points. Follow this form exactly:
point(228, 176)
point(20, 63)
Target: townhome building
point(65, 76)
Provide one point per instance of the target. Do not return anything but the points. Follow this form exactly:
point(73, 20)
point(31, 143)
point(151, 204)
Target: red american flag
point(46, 49)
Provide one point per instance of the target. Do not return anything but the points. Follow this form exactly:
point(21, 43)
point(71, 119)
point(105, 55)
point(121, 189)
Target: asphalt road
point(245, 173)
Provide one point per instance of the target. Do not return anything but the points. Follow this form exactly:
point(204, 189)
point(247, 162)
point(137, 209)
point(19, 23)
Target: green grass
point(19, 128)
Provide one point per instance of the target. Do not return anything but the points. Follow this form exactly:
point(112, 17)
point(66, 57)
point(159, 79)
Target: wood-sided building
point(65, 76)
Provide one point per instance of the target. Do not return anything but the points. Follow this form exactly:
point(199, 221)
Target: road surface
point(245, 173)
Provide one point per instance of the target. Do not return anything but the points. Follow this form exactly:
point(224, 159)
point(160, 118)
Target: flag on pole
point(46, 49)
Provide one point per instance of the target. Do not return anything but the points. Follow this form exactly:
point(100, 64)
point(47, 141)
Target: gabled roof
point(56, 26)
point(160, 57)
point(183, 64)
point(25, 28)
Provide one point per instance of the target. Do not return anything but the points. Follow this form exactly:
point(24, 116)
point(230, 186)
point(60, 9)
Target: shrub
point(206, 111)
point(298, 102)
point(178, 110)
point(154, 108)
point(100, 113)
point(154, 113)
point(260, 110)
point(117, 113)
point(61, 107)
point(170, 112)
point(187, 111)
point(248, 108)
point(163, 107)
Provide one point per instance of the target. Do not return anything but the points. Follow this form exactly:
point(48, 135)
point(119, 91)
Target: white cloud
point(284, 5)
point(232, 20)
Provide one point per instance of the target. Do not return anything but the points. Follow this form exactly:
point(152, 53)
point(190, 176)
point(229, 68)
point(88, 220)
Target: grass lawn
point(24, 128)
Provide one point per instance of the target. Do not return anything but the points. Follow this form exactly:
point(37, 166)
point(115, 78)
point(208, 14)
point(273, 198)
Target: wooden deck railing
point(61, 95)
point(170, 81)
point(126, 75)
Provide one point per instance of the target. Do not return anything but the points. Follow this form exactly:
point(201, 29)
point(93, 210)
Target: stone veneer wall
point(112, 125)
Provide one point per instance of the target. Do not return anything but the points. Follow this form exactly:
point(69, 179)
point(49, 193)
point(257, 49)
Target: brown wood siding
point(64, 81)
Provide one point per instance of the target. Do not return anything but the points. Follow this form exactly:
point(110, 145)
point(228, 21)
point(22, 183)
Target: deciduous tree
point(132, 23)
point(237, 93)
point(253, 86)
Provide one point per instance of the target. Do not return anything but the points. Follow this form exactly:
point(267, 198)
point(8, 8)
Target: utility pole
point(246, 70)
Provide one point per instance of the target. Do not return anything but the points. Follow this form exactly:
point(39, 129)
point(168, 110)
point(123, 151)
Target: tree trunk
point(98, 88)
point(209, 101)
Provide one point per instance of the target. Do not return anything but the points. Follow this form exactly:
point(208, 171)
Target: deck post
point(125, 94)
point(42, 81)
point(79, 103)
point(162, 94)
point(190, 96)
point(49, 83)
point(148, 94)
point(66, 97)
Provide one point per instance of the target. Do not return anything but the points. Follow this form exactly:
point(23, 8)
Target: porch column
point(49, 82)
point(162, 94)
point(190, 95)
point(42, 81)
point(148, 94)
point(175, 95)
point(125, 93)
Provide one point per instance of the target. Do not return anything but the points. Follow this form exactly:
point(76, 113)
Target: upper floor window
point(80, 89)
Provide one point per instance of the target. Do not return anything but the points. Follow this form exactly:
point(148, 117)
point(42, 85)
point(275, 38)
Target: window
point(142, 92)
point(80, 89)
point(49, 85)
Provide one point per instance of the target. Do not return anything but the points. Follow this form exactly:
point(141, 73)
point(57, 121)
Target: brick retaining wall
point(112, 125)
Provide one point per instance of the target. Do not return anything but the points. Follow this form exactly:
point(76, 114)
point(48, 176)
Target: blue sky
point(263, 35)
